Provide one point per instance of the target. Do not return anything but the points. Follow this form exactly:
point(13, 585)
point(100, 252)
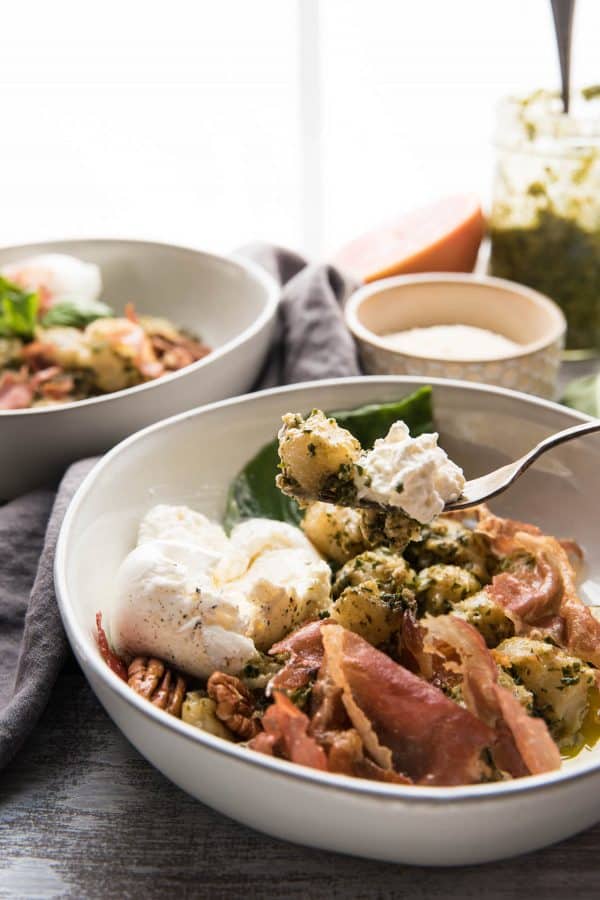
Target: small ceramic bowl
point(524, 316)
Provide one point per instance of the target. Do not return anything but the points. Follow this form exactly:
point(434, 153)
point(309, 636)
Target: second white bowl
point(230, 303)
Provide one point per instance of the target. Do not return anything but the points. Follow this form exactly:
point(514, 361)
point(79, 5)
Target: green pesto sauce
point(558, 257)
point(546, 232)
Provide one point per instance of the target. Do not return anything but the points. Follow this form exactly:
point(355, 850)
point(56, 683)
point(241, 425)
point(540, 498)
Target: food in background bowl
point(59, 342)
point(380, 639)
point(231, 302)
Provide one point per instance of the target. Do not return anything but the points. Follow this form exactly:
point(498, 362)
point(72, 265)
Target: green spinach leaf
point(76, 314)
point(18, 310)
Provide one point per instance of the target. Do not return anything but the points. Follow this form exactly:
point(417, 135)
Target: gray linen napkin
point(311, 342)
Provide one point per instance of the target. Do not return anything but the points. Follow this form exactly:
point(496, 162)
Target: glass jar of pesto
point(545, 220)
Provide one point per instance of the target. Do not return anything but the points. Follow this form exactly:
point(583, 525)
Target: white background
point(298, 121)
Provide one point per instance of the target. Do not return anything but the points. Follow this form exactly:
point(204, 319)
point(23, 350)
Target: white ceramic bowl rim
point(361, 331)
point(385, 792)
point(247, 265)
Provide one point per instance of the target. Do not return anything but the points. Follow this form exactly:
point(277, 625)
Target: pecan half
point(235, 706)
point(160, 685)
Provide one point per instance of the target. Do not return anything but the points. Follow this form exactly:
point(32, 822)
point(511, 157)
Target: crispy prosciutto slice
point(541, 599)
point(344, 746)
point(304, 649)
point(533, 594)
point(406, 725)
point(346, 756)
point(109, 656)
point(501, 532)
point(523, 744)
point(329, 728)
point(581, 628)
point(286, 735)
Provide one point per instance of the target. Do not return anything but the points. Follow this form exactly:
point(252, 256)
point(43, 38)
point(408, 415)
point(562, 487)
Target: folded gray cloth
point(311, 342)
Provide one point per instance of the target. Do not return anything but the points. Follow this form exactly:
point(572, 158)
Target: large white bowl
point(230, 303)
point(191, 459)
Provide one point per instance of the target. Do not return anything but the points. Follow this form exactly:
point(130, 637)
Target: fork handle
point(559, 438)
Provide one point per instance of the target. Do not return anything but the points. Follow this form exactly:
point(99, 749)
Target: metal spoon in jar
point(479, 490)
point(562, 10)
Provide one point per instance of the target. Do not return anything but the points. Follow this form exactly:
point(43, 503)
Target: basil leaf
point(76, 314)
point(253, 494)
point(18, 310)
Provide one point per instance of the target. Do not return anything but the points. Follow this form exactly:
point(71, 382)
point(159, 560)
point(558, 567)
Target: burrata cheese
point(204, 602)
point(412, 474)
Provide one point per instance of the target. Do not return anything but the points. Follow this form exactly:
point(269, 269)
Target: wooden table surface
point(83, 815)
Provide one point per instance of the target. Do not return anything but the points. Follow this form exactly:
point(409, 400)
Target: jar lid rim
point(538, 121)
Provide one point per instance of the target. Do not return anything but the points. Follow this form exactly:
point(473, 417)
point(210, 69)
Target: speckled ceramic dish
point(524, 316)
point(191, 459)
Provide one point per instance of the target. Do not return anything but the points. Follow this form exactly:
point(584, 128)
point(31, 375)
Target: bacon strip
point(19, 389)
point(176, 355)
point(15, 391)
point(286, 734)
point(523, 745)
point(44, 375)
point(129, 333)
point(403, 721)
point(59, 388)
point(38, 355)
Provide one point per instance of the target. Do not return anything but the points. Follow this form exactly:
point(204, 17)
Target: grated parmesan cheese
point(461, 342)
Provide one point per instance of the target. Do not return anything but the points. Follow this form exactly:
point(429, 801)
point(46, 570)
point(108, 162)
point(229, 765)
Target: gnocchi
point(334, 530)
point(560, 684)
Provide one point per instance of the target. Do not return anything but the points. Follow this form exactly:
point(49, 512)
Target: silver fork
point(478, 490)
